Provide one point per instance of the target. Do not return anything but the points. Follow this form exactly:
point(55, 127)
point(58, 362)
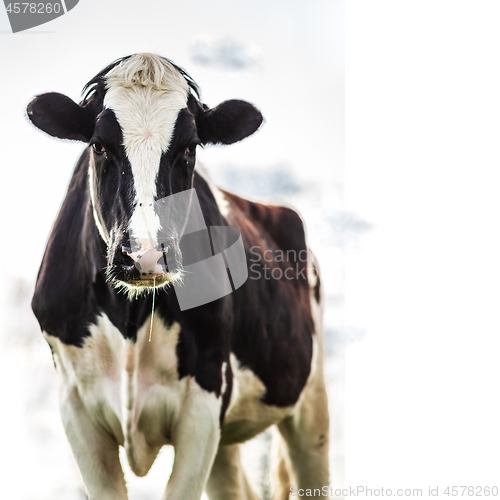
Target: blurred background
point(287, 58)
point(414, 222)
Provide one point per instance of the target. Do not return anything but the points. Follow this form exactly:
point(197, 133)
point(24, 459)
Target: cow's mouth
point(155, 281)
point(125, 276)
point(135, 287)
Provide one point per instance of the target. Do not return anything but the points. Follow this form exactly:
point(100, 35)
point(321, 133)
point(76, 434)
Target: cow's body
point(202, 379)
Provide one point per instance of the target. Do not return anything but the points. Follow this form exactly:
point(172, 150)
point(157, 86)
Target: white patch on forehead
point(146, 94)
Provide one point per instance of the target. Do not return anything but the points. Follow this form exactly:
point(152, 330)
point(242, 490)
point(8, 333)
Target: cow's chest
point(132, 389)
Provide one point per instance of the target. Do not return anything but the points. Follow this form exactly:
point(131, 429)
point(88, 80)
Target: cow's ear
point(60, 116)
point(231, 121)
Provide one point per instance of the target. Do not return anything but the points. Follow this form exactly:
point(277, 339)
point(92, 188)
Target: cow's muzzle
point(146, 266)
point(148, 261)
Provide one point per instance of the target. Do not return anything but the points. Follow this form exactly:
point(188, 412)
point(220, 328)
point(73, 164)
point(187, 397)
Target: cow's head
point(143, 121)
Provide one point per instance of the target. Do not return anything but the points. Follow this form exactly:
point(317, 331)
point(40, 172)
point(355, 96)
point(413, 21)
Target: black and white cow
point(204, 379)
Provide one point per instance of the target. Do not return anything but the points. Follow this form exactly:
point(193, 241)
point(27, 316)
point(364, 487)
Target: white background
point(422, 163)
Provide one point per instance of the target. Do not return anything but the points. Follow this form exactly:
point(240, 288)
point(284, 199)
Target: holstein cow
point(203, 379)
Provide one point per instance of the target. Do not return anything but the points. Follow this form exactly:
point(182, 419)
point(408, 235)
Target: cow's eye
point(98, 148)
point(190, 150)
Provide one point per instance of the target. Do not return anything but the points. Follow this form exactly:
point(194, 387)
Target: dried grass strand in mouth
point(152, 308)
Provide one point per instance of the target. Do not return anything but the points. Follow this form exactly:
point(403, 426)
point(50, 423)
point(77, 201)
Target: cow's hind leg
point(95, 450)
point(303, 454)
point(227, 480)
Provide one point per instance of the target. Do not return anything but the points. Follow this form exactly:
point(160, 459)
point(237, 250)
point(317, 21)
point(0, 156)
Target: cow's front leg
point(95, 450)
point(195, 438)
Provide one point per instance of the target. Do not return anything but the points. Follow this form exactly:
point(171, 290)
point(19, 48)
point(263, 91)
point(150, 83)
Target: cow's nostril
point(124, 260)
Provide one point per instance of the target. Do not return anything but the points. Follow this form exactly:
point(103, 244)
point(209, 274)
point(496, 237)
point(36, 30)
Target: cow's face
point(143, 123)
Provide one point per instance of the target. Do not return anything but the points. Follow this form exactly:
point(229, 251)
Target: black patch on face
point(108, 132)
point(113, 179)
point(177, 164)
